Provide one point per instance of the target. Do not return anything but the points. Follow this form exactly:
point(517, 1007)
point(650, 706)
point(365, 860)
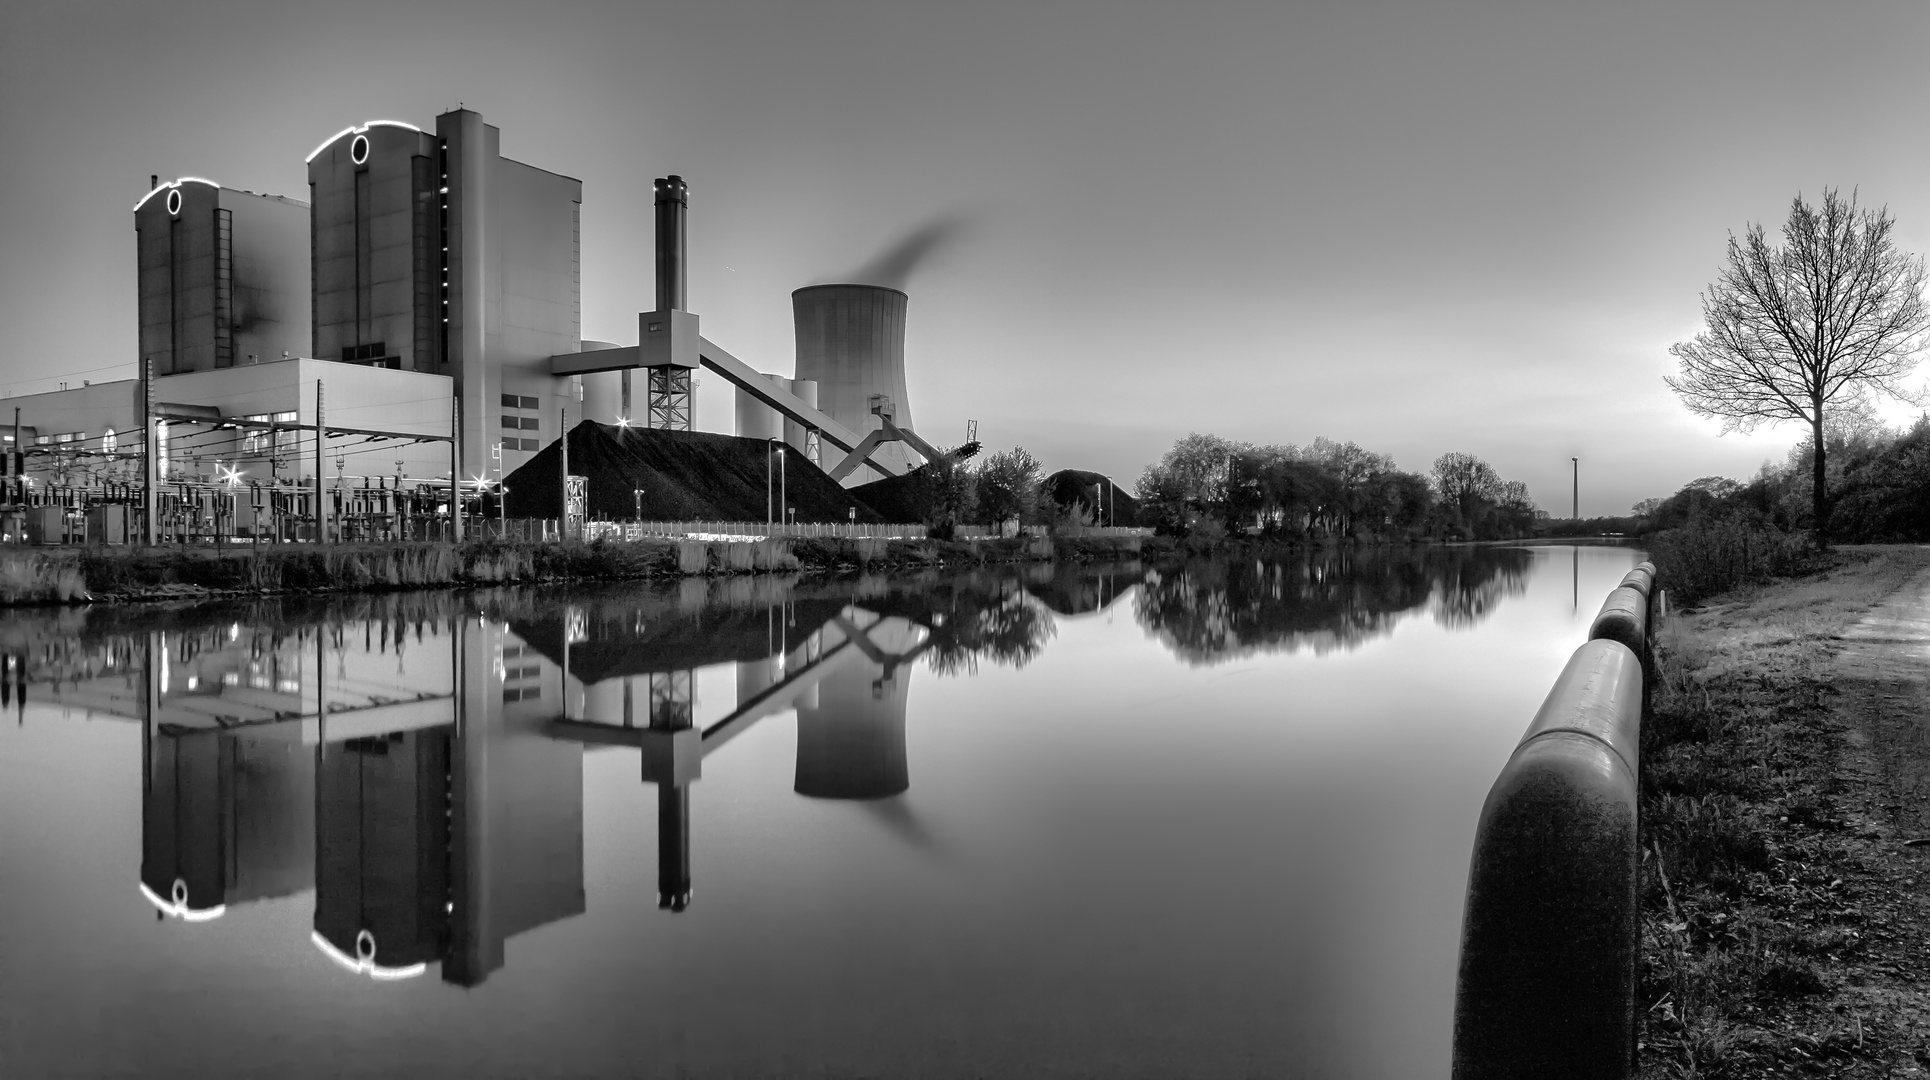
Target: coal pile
point(1114, 506)
point(684, 476)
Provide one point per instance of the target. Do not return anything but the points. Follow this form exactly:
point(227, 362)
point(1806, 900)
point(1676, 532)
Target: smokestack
point(851, 342)
point(153, 181)
point(672, 199)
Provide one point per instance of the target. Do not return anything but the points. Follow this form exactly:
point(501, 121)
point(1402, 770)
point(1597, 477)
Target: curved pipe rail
point(1550, 934)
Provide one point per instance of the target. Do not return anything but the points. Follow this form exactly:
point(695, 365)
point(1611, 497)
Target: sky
point(1423, 227)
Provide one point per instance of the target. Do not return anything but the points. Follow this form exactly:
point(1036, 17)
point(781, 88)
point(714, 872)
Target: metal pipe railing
point(1550, 935)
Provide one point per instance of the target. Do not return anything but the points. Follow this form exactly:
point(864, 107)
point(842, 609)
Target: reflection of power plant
point(225, 820)
point(421, 769)
point(422, 803)
point(836, 665)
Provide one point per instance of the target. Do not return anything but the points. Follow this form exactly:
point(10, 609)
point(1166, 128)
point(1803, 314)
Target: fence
point(1550, 935)
point(987, 532)
point(636, 530)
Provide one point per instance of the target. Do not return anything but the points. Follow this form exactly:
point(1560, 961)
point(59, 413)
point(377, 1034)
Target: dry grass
point(1755, 945)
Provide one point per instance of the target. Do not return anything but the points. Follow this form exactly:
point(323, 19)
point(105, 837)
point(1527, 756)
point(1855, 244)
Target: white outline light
point(172, 185)
point(179, 908)
point(174, 200)
point(355, 130)
point(364, 966)
point(360, 142)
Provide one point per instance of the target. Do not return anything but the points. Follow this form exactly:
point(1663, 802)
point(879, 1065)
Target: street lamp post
point(782, 501)
point(636, 499)
point(1576, 512)
point(767, 485)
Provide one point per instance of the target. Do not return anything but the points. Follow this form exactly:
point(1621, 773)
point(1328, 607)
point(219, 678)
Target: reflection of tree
point(969, 617)
point(1012, 631)
point(1208, 612)
point(1468, 592)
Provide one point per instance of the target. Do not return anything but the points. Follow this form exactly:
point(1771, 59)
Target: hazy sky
point(1424, 227)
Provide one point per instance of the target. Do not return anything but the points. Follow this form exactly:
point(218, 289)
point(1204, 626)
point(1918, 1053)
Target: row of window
point(258, 441)
point(521, 444)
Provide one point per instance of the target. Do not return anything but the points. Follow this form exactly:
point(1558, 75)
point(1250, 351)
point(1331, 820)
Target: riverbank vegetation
point(1784, 930)
point(29, 576)
point(1212, 487)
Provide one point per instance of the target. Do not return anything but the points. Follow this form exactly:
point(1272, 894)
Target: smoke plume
point(892, 267)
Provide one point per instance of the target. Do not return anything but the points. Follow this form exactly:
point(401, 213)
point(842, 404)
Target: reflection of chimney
point(673, 846)
point(851, 342)
point(851, 741)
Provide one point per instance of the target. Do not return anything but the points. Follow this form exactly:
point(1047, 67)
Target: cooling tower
point(851, 342)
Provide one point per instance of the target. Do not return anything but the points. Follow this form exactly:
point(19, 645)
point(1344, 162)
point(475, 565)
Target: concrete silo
point(851, 342)
point(756, 420)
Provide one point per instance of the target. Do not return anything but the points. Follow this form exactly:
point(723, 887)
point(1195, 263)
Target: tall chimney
point(671, 202)
point(153, 181)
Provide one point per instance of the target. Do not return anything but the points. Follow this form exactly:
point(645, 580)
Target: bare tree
point(1465, 481)
point(1796, 329)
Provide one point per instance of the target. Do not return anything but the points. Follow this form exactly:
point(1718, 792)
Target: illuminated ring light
point(358, 151)
point(363, 962)
point(176, 904)
point(174, 200)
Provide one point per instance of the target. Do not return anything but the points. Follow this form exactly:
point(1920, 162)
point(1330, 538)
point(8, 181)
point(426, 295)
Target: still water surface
point(1106, 821)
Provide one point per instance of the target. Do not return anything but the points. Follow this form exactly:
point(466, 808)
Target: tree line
point(1210, 485)
point(1876, 486)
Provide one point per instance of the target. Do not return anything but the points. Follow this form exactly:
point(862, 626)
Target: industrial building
point(340, 367)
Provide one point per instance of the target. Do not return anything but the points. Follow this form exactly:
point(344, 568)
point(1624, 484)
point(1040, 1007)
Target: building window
point(510, 423)
point(376, 355)
point(529, 444)
point(531, 423)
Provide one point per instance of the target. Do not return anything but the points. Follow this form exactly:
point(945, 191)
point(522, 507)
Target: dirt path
point(1787, 772)
point(1881, 678)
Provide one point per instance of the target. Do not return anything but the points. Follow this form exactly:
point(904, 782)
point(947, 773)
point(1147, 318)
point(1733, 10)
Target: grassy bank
point(1784, 928)
point(53, 576)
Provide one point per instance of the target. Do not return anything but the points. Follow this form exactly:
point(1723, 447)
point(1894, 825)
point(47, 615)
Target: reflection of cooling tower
point(851, 340)
point(851, 741)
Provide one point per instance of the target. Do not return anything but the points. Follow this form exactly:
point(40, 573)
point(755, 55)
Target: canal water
point(1092, 821)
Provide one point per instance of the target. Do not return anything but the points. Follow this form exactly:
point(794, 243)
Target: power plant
point(414, 329)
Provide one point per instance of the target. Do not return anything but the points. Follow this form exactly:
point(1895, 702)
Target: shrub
point(1709, 556)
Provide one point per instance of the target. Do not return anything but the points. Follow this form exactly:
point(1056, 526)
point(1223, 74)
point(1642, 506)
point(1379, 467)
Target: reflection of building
point(225, 819)
point(382, 827)
point(441, 843)
point(421, 799)
point(421, 769)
